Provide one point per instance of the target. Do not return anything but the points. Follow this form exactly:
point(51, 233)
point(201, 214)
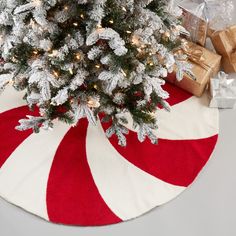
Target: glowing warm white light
point(124, 9)
point(123, 73)
point(71, 71)
point(78, 56)
point(37, 2)
point(56, 73)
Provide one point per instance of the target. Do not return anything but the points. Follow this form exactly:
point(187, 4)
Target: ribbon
point(195, 54)
point(224, 87)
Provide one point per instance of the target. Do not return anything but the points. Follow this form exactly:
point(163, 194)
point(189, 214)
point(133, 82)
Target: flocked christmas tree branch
point(80, 58)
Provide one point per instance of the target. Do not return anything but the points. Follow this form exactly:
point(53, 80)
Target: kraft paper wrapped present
point(224, 42)
point(222, 92)
point(205, 64)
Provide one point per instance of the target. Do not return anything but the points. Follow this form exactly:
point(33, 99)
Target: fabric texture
point(77, 176)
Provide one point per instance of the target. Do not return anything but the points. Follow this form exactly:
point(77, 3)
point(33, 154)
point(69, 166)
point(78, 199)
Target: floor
point(207, 208)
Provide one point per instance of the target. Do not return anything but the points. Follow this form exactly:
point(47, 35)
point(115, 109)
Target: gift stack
point(208, 20)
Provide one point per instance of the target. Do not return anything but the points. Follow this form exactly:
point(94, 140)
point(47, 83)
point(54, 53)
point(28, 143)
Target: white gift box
point(222, 92)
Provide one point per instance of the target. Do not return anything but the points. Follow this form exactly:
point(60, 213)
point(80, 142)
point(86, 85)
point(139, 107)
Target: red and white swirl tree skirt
point(77, 176)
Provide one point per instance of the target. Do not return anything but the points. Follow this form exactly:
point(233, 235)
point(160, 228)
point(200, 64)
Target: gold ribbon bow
point(195, 54)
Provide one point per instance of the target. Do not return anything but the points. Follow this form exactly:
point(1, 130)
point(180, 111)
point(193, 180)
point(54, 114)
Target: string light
point(35, 52)
point(82, 16)
point(124, 9)
point(75, 24)
point(56, 73)
point(97, 66)
point(150, 63)
point(128, 32)
point(111, 21)
point(124, 73)
point(66, 8)
point(11, 82)
point(71, 71)
point(99, 26)
point(14, 59)
point(78, 56)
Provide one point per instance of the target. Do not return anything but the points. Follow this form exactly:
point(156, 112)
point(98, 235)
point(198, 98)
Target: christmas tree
point(91, 58)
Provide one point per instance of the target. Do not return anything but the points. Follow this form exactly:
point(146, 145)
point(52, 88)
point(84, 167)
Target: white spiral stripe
point(24, 176)
point(10, 99)
point(188, 120)
point(126, 189)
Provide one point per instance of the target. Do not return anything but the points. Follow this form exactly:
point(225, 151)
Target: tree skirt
point(77, 176)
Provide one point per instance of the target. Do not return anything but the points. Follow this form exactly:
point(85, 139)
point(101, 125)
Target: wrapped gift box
point(206, 64)
point(194, 21)
point(224, 42)
point(222, 92)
